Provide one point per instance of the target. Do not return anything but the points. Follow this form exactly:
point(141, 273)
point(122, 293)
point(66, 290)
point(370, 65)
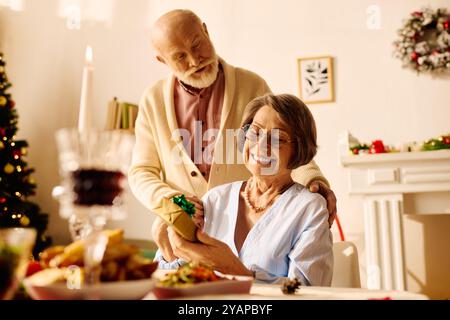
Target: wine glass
point(16, 245)
point(93, 167)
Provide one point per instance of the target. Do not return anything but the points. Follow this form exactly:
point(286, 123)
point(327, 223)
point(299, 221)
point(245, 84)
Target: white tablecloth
point(273, 292)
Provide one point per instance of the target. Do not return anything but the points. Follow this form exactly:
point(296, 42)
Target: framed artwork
point(316, 79)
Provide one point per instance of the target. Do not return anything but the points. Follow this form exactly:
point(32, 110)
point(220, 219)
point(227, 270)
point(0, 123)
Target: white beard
point(206, 78)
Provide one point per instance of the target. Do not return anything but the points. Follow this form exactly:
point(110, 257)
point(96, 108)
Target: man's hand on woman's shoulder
point(319, 187)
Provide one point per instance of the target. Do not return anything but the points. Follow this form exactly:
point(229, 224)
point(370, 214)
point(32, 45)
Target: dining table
point(262, 291)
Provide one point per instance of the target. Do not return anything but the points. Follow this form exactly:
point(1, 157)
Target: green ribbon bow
point(186, 205)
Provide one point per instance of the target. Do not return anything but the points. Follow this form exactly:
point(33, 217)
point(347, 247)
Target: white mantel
point(383, 181)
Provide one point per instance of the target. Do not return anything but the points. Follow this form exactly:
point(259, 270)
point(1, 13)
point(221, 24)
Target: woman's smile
point(262, 160)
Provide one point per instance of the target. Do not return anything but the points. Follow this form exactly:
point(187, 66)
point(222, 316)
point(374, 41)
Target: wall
point(375, 97)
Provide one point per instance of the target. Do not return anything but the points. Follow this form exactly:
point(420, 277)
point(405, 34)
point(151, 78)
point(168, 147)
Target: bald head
point(173, 25)
point(182, 43)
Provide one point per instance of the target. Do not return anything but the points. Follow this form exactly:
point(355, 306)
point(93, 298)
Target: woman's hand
point(159, 229)
point(209, 251)
point(328, 194)
point(159, 233)
point(198, 218)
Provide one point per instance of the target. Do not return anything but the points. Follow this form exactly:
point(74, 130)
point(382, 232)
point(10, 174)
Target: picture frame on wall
point(316, 79)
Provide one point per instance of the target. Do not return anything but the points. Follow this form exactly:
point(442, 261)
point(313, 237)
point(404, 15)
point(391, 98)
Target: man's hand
point(208, 251)
point(328, 194)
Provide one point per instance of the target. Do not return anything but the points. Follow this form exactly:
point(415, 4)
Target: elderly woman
point(269, 226)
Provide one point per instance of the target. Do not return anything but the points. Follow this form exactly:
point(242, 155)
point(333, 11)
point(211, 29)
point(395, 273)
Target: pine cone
point(290, 286)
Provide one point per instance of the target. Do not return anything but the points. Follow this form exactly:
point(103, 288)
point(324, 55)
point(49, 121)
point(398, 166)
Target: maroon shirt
point(199, 110)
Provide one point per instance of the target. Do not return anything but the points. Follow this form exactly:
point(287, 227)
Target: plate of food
point(197, 280)
point(125, 274)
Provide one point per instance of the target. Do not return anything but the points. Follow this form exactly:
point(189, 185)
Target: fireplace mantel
point(383, 180)
point(395, 157)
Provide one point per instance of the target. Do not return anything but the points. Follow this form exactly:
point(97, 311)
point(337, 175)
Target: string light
point(18, 194)
point(19, 169)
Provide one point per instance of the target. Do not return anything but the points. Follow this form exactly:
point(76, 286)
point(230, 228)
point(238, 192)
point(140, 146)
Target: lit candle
point(84, 120)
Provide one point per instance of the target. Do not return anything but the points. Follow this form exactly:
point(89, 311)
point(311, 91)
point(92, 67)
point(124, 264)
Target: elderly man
point(181, 128)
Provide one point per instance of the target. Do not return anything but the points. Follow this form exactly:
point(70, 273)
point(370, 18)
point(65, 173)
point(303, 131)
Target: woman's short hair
point(296, 115)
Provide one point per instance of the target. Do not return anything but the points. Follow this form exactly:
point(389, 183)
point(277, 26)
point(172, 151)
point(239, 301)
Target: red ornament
point(417, 14)
point(355, 151)
point(16, 154)
point(11, 104)
point(447, 140)
point(447, 24)
point(2, 200)
point(377, 147)
point(414, 56)
point(2, 132)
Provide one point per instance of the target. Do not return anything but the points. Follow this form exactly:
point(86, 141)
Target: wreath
point(424, 41)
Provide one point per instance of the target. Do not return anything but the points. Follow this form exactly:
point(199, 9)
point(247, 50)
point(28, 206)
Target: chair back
point(346, 265)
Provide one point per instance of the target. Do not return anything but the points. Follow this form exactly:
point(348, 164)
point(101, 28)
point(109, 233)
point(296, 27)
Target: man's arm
point(144, 175)
point(308, 173)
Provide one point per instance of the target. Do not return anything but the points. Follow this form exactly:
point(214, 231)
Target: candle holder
point(93, 167)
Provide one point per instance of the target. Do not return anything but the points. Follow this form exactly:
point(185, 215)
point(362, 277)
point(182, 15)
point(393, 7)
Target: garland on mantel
point(443, 142)
point(378, 146)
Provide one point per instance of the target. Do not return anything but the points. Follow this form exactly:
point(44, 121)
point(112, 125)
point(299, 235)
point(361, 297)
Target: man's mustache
point(191, 71)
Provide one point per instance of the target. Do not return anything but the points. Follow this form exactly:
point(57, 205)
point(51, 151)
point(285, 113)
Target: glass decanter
point(93, 167)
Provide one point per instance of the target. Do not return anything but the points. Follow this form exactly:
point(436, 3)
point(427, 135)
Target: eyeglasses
point(254, 134)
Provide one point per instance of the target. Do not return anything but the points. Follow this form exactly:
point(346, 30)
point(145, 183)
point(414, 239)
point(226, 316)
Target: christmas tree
point(16, 183)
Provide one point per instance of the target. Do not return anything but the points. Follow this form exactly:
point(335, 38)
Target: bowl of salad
point(198, 280)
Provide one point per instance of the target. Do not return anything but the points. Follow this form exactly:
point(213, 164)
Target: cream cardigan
point(156, 171)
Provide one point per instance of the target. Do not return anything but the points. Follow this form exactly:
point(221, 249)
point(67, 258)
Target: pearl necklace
point(250, 205)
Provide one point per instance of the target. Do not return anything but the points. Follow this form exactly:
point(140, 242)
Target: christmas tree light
point(16, 184)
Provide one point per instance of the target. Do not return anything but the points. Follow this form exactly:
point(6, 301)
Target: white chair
point(346, 265)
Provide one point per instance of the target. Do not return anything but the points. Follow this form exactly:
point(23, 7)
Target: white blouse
point(291, 239)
